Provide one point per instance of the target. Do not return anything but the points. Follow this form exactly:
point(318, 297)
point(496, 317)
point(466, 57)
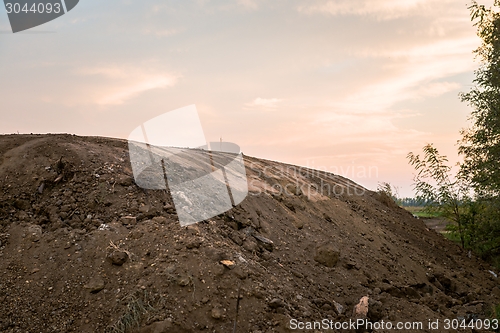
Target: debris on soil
point(84, 249)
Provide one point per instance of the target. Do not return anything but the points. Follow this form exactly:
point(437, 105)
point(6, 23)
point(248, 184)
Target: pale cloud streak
point(382, 9)
point(124, 83)
point(161, 32)
point(265, 103)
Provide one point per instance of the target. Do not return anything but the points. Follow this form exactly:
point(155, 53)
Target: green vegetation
point(421, 212)
point(471, 197)
point(137, 306)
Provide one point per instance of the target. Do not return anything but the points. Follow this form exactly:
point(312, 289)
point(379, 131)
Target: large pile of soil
point(83, 249)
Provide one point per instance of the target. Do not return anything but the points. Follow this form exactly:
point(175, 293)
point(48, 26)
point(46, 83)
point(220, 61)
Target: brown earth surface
point(83, 249)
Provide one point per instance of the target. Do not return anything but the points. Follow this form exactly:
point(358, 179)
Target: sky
point(346, 86)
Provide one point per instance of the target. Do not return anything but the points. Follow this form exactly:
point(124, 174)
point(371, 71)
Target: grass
point(138, 305)
point(422, 213)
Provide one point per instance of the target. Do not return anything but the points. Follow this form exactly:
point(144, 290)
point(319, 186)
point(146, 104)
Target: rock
point(394, 291)
point(290, 206)
point(169, 208)
point(250, 245)
point(326, 307)
point(228, 263)
point(266, 243)
point(3, 239)
point(34, 233)
point(410, 292)
point(375, 310)
point(338, 307)
point(240, 273)
point(496, 292)
point(144, 209)
point(164, 326)
point(217, 313)
point(95, 285)
point(22, 204)
point(128, 220)
point(124, 180)
point(446, 282)
point(298, 223)
point(327, 255)
point(194, 243)
point(118, 258)
point(135, 234)
point(160, 219)
point(276, 303)
point(184, 281)
point(236, 238)
point(361, 309)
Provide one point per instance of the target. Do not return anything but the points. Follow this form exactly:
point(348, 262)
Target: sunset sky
point(350, 86)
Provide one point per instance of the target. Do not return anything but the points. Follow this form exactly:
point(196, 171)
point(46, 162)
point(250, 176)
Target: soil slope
point(84, 249)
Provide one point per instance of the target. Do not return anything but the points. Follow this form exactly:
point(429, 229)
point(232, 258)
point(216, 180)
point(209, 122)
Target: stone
point(375, 310)
point(95, 285)
point(250, 245)
point(164, 326)
point(128, 220)
point(236, 238)
point(228, 263)
point(144, 209)
point(266, 243)
point(194, 243)
point(276, 303)
point(327, 255)
point(338, 307)
point(136, 234)
point(298, 223)
point(34, 233)
point(169, 208)
point(184, 281)
point(160, 219)
point(217, 313)
point(240, 273)
point(118, 258)
point(22, 204)
point(361, 309)
point(124, 180)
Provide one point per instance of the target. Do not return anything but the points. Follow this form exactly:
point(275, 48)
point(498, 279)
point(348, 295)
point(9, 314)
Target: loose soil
point(83, 249)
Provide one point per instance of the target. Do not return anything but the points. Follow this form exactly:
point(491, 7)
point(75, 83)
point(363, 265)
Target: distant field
point(434, 221)
point(420, 212)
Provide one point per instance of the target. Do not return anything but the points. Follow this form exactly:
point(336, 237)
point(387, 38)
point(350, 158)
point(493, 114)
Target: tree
point(480, 144)
point(435, 185)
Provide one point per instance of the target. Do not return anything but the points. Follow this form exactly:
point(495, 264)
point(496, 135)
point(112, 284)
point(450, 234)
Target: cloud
point(266, 103)
point(434, 50)
point(124, 93)
point(382, 9)
point(437, 88)
point(125, 82)
point(411, 74)
point(161, 32)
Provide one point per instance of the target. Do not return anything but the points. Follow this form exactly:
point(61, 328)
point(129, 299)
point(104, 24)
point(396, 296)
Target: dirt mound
point(83, 249)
